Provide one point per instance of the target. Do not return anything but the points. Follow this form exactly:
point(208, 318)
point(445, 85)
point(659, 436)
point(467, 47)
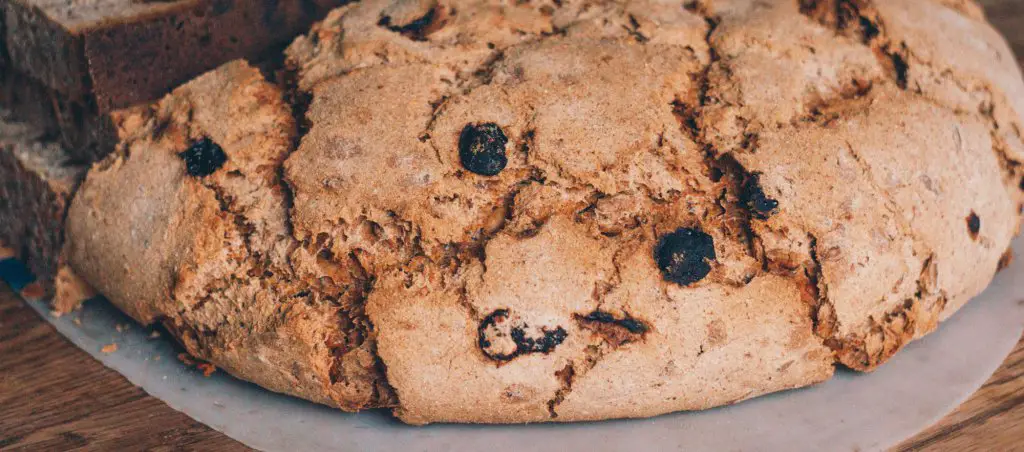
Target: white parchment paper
point(851, 412)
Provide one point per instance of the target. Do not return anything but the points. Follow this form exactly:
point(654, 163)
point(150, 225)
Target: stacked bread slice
point(66, 68)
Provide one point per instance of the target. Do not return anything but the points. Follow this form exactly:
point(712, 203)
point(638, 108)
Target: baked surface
point(479, 211)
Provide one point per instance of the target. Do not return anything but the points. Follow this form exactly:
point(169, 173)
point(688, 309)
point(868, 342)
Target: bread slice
point(66, 65)
point(120, 52)
point(85, 134)
point(37, 180)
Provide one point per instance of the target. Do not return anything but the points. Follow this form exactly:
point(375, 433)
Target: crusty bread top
point(205, 250)
point(512, 212)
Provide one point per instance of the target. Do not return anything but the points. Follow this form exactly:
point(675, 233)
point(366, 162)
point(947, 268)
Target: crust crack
point(897, 57)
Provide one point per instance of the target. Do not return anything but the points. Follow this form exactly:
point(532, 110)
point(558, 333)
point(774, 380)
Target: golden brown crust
point(570, 211)
point(211, 257)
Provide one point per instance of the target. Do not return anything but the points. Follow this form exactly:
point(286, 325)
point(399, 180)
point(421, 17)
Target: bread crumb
point(154, 335)
point(120, 327)
point(70, 291)
point(55, 314)
point(33, 291)
point(186, 359)
point(6, 253)
point(109, 348)
point(208, 369)
point(77, 321)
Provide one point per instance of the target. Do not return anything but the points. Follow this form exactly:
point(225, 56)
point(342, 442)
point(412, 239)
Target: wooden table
point(54, 396)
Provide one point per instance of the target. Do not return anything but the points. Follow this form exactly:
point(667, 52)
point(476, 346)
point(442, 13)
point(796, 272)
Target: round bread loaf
point(507, 211)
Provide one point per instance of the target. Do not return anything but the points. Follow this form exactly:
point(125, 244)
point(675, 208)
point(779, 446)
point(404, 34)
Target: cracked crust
point(212, 258)
point(693, 205)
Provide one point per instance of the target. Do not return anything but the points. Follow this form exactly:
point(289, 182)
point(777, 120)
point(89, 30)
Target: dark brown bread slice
point(85, 134)
point(115, 53)
point(37, 181)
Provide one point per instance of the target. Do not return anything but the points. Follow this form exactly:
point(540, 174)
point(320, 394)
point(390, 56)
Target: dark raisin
point(203, 157)
point(716, 174)
point(630, 324)
point(502, 337)
point(683, 256)
point(548, 340)
point(482, 148)
point(973, 225)
point(869, 29)
point(900, 67)
point(600, 316)
point(752, 195)
point(614, 331)
point(492, 333)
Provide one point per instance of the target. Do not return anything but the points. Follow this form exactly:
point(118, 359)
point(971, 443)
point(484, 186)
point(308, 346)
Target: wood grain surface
point(54, 396)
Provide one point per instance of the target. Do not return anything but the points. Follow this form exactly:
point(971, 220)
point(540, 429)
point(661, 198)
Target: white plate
point(850, 412)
